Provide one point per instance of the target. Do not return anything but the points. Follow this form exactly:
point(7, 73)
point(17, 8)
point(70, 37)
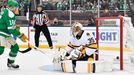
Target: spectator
point(21, 8)
point(66, 4)
point(48, 6)
point(91, 22)
point(26, 6)
point(79, 4)
point(79, 7)
point(29, 5)
point(88, 6)
point(74, 7)
point(56, 22)
point(72, 1)
point(60, 5)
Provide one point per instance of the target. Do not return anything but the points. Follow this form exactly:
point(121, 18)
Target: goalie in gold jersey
point(82, 45)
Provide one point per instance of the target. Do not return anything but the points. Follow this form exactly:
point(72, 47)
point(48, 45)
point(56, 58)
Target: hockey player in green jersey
point(8, 28)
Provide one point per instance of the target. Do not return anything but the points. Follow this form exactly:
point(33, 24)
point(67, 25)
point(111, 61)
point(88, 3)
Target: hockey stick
point(26, 50)
point(37, 49)
point(29, 48)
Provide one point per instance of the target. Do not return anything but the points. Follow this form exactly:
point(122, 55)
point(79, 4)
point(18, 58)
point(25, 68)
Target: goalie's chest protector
point(83, 40)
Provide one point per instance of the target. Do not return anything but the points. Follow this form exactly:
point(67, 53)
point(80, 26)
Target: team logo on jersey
point(11, 14)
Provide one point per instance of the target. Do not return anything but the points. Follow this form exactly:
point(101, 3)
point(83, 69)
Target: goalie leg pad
point(57, 63)
point(93, 67)
point(67, 66)
point(57, 66)
point(83, 67)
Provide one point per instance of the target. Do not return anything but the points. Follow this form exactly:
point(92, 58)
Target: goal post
point(108, 22)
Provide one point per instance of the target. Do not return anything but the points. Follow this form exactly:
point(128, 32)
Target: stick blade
point(25, 51)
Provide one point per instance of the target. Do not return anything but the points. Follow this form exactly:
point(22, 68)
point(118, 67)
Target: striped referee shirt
point(40, 17)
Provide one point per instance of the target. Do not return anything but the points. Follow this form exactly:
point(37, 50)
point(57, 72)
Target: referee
point(40, 21)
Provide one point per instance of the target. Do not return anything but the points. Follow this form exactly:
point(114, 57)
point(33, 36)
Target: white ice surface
point(36, 63)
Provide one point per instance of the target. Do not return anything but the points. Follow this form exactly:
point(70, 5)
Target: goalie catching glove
point(23, 37)
point(74, 55)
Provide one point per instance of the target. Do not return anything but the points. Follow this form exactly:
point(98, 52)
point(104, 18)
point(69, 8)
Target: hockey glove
point(74, 55)
point(23, 37)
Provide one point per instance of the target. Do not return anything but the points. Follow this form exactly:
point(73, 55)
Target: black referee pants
point(46, 33)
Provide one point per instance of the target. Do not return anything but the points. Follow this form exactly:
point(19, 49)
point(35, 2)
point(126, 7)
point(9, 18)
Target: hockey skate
point(51, 47)
point(12, 66)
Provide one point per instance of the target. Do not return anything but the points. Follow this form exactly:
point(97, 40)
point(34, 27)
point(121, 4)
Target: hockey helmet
point(76, 28)
point(13, 3)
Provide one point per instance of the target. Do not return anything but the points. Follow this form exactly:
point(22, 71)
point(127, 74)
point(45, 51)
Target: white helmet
point(76, 28)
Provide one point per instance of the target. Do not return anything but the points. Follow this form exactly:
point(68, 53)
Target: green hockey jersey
point(7, 23)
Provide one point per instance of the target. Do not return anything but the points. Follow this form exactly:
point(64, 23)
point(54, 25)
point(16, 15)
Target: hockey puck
point(117, 57)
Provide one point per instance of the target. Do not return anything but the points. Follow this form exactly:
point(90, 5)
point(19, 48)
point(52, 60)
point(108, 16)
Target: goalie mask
point(76, 28)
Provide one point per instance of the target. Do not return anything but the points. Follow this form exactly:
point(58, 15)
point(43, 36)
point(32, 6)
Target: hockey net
point(109, 38)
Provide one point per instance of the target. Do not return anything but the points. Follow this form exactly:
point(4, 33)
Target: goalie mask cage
point(99, 24)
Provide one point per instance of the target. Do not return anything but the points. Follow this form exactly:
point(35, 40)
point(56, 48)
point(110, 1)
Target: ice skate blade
point(10, 68)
